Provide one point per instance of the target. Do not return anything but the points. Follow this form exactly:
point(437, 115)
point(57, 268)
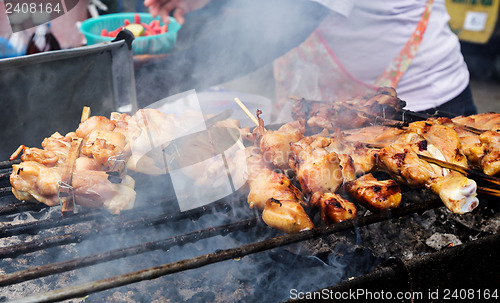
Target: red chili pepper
point(137, 19)
point(104, 32)
point(147, 28)
point(126, 22)
point(115, 32)
point(164, 29)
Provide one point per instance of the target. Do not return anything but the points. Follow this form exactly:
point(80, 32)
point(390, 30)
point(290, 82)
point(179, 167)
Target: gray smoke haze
point(224, 41)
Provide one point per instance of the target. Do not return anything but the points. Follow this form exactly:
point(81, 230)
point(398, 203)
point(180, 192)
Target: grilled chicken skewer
point(274, 194)
point(348, 114)
point(319, 172)
point(456, 191)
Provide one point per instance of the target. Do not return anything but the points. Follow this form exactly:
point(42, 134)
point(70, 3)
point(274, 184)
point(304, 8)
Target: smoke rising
point(224, 41)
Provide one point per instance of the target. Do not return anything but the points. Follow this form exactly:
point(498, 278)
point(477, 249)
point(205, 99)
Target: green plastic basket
point(157, 44)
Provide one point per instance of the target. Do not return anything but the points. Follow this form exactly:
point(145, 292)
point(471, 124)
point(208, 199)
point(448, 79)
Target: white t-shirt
point(371, 33)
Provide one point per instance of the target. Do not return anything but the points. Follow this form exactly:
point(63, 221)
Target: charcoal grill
point(49, 257)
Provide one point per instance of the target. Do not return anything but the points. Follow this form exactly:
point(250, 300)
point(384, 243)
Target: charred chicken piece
point(285, 215)
point(375, 195)
point(33, 181)
point(333, 207)
point(443, 138)
point(482, 151)
point(275, 145)
point(491, 160)
point(363, 159)
point(486, 121)
point(270, 184)
point(348, 114)
point(458, 193)
point(317, 169)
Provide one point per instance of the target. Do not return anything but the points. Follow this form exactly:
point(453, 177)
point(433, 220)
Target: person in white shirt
point(362, 44)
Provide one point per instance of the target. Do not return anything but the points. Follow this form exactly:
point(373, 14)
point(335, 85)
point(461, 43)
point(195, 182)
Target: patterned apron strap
point(395, 70)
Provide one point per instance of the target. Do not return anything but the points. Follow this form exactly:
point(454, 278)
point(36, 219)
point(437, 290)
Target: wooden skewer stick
point(425, 117)
point(488, 191)
point(388, 122)
point(461, 169)
point(17, 152)
point(444, 164)
point(85, 113)
point(247, 111)
point(65, 191)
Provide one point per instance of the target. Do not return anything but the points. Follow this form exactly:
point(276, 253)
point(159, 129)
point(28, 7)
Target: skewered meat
point(456, 191)
point(491, 160)
point(285, 215)
point(403, 163)
point(363, 159)
point(348, 114)
point(275, 145)
point(333, 207)
point(94, 123)
point(486, 121)
point(482, 151)
point(317, 169)
point(102, 145)
point(44, 157)
point(375, 194)
point(443, 138)
point(270, 184)
point(376, 134)
point(33, 181)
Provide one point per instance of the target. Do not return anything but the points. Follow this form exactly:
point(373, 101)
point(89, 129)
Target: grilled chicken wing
point(403, 163)
point(317, 169)
point(491, 160)
point(333, 207)
point(348, 114)
point(275, 145)
point(486, 121)
point(375, 194)
point(443, 138)
point(287, 216)
point(456, 191)
point(270, 184)
point(33, 181)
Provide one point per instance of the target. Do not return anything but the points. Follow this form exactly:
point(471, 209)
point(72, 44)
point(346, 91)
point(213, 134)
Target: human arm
point(226, 40)
point(177, 8)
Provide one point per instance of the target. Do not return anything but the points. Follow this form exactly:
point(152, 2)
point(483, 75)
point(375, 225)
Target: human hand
point(163, 8)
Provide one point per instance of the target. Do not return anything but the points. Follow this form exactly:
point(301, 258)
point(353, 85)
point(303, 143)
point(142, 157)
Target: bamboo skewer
point(387, 122)
point(488, 191)
point(376, 119)
point(17, 152)
point(461, 169)
point(444, 164)
point(465, 127)
point(247, 111)
point(65, 190)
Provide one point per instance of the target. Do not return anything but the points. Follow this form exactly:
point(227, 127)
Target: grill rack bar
point(17, 207)
point(179, 240)
point(109, 228)
point(85, 215)
point(35, 226)
point(8, 164)
point(222, 255)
